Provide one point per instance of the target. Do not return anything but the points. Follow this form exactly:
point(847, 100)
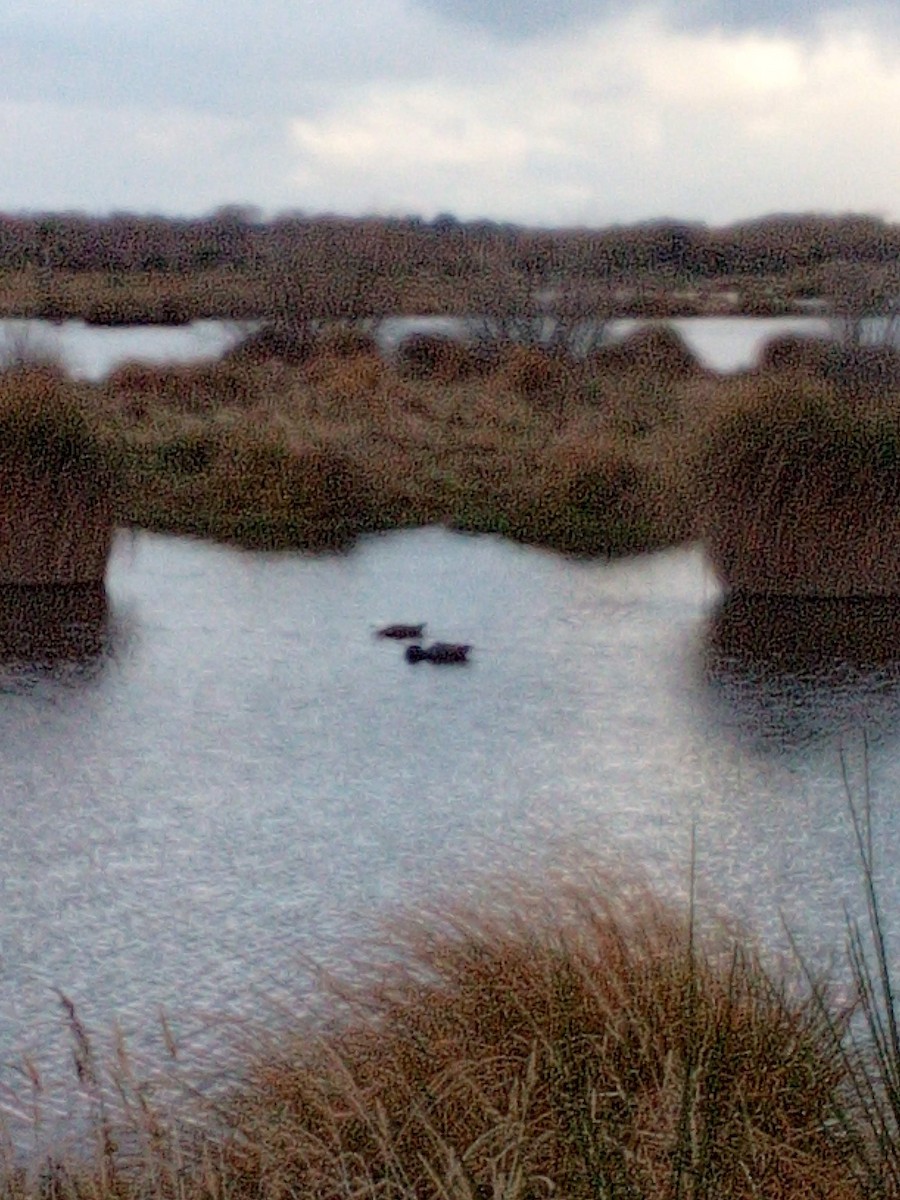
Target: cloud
point(233, 58)
point(532, 18)
point(635, 119)
point(356, 108)
point(92, 159)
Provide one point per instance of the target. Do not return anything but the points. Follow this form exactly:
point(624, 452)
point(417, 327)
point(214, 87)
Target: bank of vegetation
point(600, 1047)
point(129, 269)
point(631, 447)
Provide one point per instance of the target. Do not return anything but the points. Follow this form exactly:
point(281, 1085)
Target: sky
point(539, 112)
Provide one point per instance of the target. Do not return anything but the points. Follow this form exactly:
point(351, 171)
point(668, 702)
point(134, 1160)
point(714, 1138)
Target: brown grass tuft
point(651, 349)
point(860, 373)
point(425, 356)
point(190, 389)
point(797, 491)
point(582, 1050)
point(539, 375)
point(56, 513)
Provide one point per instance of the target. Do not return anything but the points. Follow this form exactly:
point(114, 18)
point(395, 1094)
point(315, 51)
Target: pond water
point(242, 777)
point(91, 352)
point(230, 777)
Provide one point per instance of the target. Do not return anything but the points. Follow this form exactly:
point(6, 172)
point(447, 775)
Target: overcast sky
point(545, 112)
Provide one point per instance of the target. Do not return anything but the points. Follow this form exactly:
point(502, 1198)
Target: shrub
point(798, 493)
point(289, 342)
point(42, 425)
point(793, 352)
point(197, 388)
point(427, 356)
point(539, 375)
point(267, 492)
point(651, 349)
point(56, 504)
point(855, 371)
point(346, 342)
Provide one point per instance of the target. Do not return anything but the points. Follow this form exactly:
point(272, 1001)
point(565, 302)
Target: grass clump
point(797, 490)
point(60, 477)
point(596, 1048)
point(590, 1040)
point(651, 349)
point(202, 388)
point(784, 437)
point(480, 452)
point(275, 493)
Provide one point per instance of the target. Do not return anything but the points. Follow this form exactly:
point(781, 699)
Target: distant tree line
point(237, 238)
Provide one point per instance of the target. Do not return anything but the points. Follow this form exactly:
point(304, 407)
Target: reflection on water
point(802, 634)
point(43, 626)
point(787, 670)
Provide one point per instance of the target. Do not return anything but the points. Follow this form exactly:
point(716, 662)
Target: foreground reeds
point(600, 1049)
point(588, 1042)
point(576, 1038)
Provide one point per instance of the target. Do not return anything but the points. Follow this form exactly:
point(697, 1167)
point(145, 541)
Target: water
point(246, 777)
point(91, 352)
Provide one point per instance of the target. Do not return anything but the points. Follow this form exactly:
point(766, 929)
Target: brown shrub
point(538, 375)
point(272, 490)
point(429, 356)
point(793, 352)
point(798, 493)
point(57, 495)
point(594, 478)
point(351, 377)
point(651, 349)
point(864, 372)
point(190, 389)
point(346, 343)
point(285, 341)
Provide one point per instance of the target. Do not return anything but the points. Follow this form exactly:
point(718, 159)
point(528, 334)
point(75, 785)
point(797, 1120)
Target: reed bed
point(475, 451)
point(797, 487)
point(534, 445)
point(134, 297)
point(60, 479)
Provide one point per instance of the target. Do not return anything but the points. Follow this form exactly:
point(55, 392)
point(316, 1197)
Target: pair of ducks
point(439, 652)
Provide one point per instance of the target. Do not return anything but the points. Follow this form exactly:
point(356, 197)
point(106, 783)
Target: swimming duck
point(440, 652)
point(401, 631)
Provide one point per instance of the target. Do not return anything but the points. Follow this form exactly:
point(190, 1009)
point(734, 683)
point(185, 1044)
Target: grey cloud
point(512, 21)
point(235, 58)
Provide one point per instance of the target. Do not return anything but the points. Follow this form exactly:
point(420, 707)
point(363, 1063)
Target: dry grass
point(492, 452)
point(538, 448)
point(587, 1042)
point(797, 489)
point(649, 350)
point(59, 480)
point(134, 297)
point(191, 389)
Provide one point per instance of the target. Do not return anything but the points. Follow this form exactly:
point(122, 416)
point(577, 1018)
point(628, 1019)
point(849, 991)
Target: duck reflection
point(54, 624)
point(789, 669)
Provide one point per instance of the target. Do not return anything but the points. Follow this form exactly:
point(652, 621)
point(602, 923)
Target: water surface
point(246, 777)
